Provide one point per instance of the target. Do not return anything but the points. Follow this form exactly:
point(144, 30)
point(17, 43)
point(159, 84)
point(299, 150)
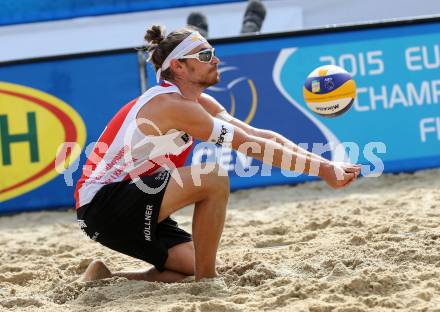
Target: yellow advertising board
point(33, 126)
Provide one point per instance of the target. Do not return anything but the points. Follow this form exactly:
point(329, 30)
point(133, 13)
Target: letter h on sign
point(8, 139)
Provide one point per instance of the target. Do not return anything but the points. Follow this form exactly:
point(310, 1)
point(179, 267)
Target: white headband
point(189, 43)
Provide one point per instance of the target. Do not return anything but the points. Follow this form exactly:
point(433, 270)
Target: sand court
point(371, 247)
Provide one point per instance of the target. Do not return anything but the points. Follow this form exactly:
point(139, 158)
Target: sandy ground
point(371, 247)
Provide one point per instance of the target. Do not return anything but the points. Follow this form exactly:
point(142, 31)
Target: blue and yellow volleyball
point(329, 91)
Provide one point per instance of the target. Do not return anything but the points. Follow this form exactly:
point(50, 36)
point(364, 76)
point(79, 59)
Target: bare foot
point(95, 271)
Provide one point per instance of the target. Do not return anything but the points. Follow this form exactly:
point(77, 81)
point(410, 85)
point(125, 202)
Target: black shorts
point(122, 217)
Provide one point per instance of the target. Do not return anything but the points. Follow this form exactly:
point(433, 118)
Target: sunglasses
point(204, 56)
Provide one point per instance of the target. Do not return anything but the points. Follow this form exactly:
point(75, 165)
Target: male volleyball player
point(125, 202)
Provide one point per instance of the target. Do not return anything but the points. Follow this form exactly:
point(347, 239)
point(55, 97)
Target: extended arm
point(194, 119)
point(215, 108)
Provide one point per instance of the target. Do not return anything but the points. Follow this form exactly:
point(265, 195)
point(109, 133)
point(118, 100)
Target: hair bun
point(155, 35)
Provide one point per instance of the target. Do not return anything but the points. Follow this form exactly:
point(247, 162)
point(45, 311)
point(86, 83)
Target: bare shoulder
point(162, 105)
point(171, 102)
point(161, 111)
point(159, 102)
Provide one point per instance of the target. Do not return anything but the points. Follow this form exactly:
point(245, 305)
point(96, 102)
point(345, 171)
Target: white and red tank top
point(124, 152)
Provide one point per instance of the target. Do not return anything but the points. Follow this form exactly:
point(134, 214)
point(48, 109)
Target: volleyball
point(329, 91)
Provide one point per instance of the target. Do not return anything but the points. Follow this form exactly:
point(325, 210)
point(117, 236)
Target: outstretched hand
point(339, 174)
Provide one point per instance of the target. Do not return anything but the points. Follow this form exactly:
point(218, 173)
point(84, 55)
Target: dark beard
point(208, 80)
point(206, 83)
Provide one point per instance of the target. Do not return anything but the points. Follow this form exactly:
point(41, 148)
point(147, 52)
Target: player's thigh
point(189, 185)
